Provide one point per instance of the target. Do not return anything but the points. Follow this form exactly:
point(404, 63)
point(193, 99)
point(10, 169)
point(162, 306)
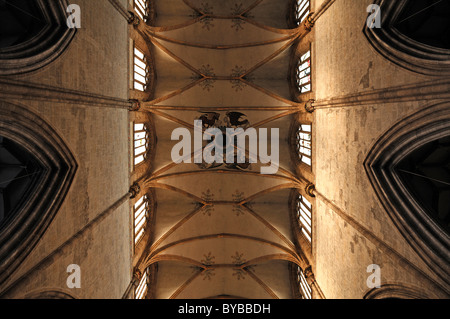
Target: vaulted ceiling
point(221, 230)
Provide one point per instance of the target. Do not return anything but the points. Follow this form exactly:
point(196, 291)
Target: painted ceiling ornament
point(208, 72)
point(238, 260)
point(237, 24)
point(208, 261)
point(238, 71)
point(238, 197)
point(208, 196)
point(237, 120)
point(207, 22)
point(232, 120)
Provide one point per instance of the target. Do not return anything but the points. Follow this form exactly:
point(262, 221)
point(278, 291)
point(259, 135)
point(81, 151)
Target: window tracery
point(304, 143)
point(141, 143)
point(304, 215)
point(141, 210)
point(302, 10)
point(304, 287)
point(141, 70)
point(304, 73)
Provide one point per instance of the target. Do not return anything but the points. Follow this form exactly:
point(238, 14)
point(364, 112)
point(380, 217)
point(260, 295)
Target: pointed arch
point(418, 224)
point(30, 218)
point(47, 294)
point(401, 49)
point(45, 46)
point(397, 291)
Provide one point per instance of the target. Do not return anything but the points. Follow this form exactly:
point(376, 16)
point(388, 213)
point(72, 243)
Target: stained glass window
point(304, 73)
point(304, 143)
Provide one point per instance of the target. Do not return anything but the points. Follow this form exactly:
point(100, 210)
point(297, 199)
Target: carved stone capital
point(309, 107)
point(310, 189)
point(134, 190)
point(308, 272)
point(133, 19)
point(308, 23)
point(137, 275)
point(135, 105)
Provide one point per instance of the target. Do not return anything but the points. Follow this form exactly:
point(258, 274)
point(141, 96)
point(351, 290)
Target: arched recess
point(391, 161)
point(54, 168)
point(49, 294)
point(406, 46)
point(396, 291)
point(37, 34)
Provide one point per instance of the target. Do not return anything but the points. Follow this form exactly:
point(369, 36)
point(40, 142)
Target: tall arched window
point(142, 288)
point(304, 143)
point(304, 73)
point(302, 10)
point(304, 287)
point(141, 211)
point(141, 70)
point(141, 143)
point(32, 34)
point(304, 215)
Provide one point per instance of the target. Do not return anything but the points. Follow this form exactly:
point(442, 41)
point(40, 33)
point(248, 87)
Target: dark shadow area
point(426, 21)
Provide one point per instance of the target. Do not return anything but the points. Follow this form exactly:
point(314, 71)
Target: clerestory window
point(141, 143)
point(141, 70)
point(141, 8)
point(304, 215)
point(304, 287)
point(304, 143)
point(302, 10)
point(304, 73)
point(142, 288)
point(141, 210)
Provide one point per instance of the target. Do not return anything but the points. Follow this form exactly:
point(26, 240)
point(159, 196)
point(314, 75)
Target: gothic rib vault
point(225, 230)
